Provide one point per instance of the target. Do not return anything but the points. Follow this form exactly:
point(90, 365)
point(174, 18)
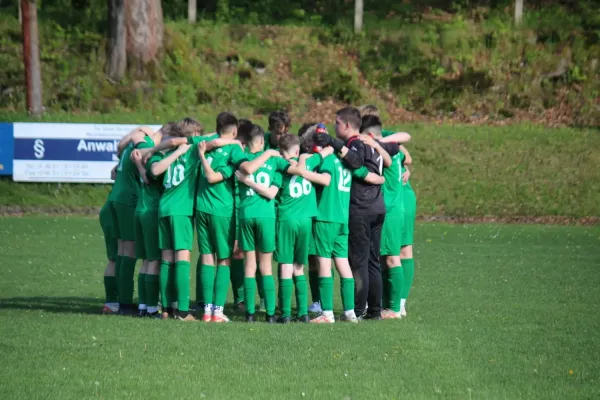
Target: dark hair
point(225, 120)
point(255, 132)
point(188, 126)
point(170, 129)
point(287, 141)
point(244, 128)
point(370, 121)
point(305, 127)
point(349, 115)
point(279, 122)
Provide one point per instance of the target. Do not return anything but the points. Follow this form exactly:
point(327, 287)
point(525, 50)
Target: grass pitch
point(496, 312)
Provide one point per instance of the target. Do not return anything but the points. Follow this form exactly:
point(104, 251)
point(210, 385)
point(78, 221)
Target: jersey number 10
point(175, 176)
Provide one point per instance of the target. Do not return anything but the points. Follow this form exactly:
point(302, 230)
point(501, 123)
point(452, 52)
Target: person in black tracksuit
point(367, 209)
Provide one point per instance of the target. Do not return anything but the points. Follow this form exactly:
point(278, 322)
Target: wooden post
point(31, 57)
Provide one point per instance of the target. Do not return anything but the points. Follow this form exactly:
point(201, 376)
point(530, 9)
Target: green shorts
point(410, 214)
point(146, 235)
point(293, 240)
point(215, 234)
point(391, 234)
point(257, 234)
point(331, 239)
point(176, 233)
point(110, 239)
point(123, 220)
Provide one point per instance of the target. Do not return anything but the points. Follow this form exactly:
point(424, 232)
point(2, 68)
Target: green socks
point(313, 280)
point(237, 280)
point(347, 289)
point(182, 279)
point(301, 295)
point(395, 282)
point(151, 286)
point(408, 265)
point(222, 285)
point(125, 280)
point(142, 289)
point(166, 296)
point(269, 292)
point(326, 293)
point(250, 295)
point(208, 283)
point(385, 292)
point(286, 287)
point(110, 289)
point(199, 294)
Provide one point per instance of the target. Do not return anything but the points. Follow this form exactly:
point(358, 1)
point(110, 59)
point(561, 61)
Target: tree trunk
point(145, 29)
point(31, 57)
point(518, 11)
point(358, 16)
point(117, 41)
point(192, 8)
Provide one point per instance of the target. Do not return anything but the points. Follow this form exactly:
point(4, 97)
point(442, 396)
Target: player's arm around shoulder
point(211, 175)
point(371, 178)
point(136, 158)
point(269, 192)
point(306, 169)
point(250, 167)
point(160, 167)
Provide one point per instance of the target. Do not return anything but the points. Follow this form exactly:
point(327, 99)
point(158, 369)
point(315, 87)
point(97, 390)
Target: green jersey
point(392, 188)
point(149, 194)
point(218, 198)
point(335, 198)
point(152, 192)
point(126, 186)
point(252, 204)
point(297, 198)
point(179, 182)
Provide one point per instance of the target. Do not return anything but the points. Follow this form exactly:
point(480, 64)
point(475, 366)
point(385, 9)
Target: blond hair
point(368, 109)
point(190, 127)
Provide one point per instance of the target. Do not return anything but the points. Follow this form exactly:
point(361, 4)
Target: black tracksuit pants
point(364, 240)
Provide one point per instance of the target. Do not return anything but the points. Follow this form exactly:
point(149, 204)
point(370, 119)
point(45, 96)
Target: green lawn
point(497, 312)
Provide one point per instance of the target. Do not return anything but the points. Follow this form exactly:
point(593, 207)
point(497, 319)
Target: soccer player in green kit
point(123, 200)
point(258, 188)
point(176, 207)
point(146, 223)
point(215, 221)
point(111, 304)
point(297, 205)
